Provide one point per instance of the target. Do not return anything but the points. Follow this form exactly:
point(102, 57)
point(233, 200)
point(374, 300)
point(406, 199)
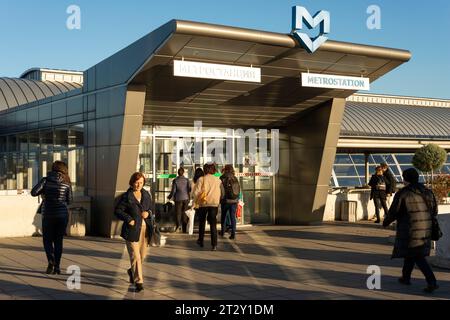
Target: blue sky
point(34, 33)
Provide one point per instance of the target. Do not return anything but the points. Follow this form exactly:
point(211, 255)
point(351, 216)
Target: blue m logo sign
point(299, 16)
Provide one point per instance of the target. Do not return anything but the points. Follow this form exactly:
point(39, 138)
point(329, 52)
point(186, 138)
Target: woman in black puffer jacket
point(56, 191)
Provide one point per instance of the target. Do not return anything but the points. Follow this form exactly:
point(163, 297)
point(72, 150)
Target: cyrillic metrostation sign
point(215, 71)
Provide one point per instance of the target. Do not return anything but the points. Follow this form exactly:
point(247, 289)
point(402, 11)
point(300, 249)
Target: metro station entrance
point(165, 149)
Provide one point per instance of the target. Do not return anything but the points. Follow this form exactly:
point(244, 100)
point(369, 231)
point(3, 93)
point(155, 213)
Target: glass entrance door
point(162, 155)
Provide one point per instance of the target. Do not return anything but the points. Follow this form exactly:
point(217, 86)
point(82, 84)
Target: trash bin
point(76, 226)
point(349, 211)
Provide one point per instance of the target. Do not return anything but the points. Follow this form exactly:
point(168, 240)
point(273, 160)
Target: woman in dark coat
point(56, 191)
point(378, 192)
point(134, 209)
point(413, 208)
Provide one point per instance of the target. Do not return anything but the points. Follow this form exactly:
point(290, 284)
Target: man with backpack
point(230, 200)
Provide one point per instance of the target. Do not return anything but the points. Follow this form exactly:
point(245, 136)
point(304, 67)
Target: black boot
point(139, 287)
point(56, 270)
point(50, 268)
point(430, 288)
point(130, 274)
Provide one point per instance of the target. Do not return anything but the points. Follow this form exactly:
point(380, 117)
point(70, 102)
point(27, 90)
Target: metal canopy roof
point(395, 121)
point(179, 101)
point(16, 92)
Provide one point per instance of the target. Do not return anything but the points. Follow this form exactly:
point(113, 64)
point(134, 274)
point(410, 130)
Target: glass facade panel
point(404, 158)
point(2, 144)
point(3, 171)
point(341, 170)
point(354, 175)
point(343, 159)
point(358, 158)
point(25, 158)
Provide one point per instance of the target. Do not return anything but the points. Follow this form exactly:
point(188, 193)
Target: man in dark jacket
point(413, 208)
point(181, 193)
point(378, 192)
point(389, 177)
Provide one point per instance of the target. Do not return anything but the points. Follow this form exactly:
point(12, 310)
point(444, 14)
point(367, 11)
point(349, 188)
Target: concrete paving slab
point(322, 262)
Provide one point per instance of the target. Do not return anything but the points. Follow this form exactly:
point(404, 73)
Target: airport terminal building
point(132, 112)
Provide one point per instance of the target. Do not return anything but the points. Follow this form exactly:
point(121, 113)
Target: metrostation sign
point(216, 71)
point(315, 80)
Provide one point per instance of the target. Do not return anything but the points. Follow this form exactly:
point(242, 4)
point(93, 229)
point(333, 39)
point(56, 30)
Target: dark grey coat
point(414, 218)
point(181, 189)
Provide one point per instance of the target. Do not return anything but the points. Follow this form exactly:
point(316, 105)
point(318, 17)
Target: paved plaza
point(328, 261)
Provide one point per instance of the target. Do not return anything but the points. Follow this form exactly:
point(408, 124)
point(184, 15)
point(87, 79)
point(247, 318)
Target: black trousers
point(380, 203)
point(53, 230)
point(210, 214)
point(423, 265)
point(180, 211)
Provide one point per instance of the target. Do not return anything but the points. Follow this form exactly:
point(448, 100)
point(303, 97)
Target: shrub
point(441, 187)
point(429, 159)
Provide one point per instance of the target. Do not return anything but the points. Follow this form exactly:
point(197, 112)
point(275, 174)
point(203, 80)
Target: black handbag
point(436, 232)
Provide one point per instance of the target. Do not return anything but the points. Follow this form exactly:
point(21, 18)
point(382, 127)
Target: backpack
point(232, 188)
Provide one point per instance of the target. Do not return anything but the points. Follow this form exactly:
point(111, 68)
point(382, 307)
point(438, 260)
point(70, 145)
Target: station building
point(130, 112)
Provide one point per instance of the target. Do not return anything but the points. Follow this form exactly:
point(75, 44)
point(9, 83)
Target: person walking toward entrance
point(413, 208)
point(378, 192)
point(230, 200)
point(56, 191)
point(208, 192)
point(134, 209)
point(181, 190)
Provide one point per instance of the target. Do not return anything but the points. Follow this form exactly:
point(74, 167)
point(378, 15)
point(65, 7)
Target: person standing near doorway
point(208, 192)
point(134, 209)
point(56, 191)
point(378, 192)
point(197, 175)
point(230, 200)
point(181, 190)
point(413, 208)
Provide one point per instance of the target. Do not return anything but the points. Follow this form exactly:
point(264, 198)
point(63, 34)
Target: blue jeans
point(228, 209)
point(53, 230)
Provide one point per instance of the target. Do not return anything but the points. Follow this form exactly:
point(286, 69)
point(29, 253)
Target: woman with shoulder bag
point(208, 192)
